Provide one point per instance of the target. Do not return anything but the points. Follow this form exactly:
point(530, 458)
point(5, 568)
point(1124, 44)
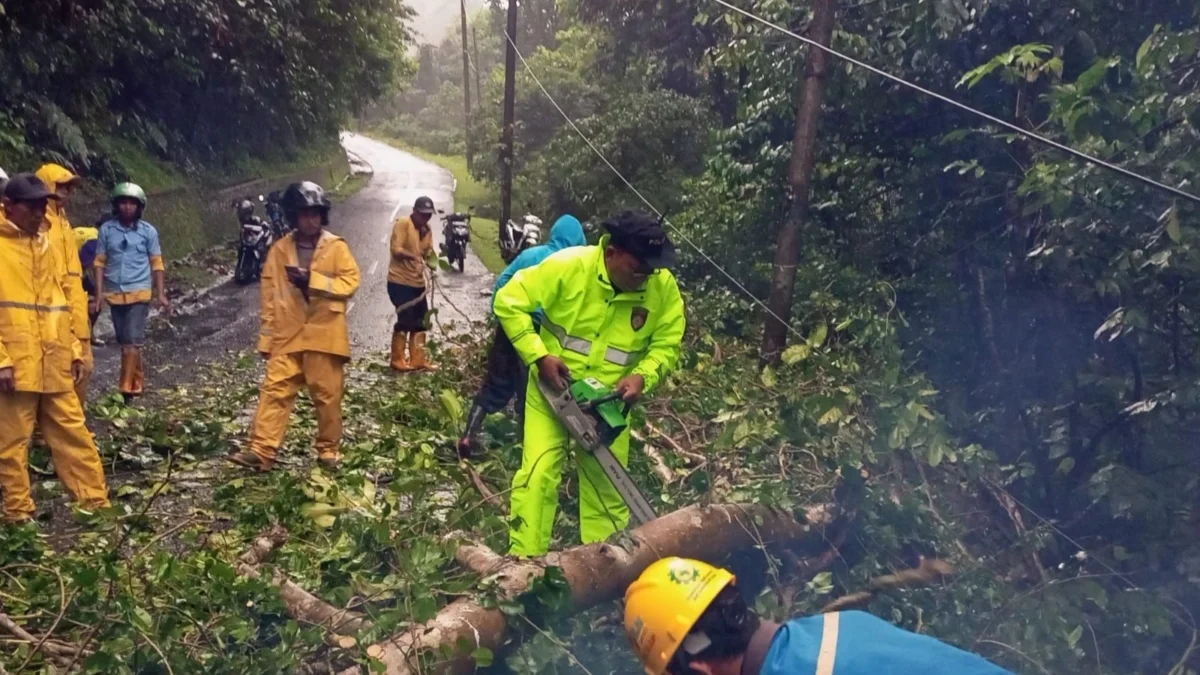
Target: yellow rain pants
point(324, 375)
point(60, 417)
point(602, 511)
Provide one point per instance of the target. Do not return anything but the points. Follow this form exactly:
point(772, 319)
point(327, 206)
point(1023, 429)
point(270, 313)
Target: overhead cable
point(962, 106)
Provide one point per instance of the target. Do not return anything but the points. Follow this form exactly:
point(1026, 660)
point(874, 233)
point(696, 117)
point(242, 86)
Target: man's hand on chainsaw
point(554, 370)
point(630, 388)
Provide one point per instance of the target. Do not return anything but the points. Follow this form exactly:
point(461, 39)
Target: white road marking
point(350, 307)
point(384, 239)
point(374, 268)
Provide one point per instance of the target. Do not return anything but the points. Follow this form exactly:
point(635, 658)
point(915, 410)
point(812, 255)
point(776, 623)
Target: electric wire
point(1079, 154)
point(683, 236)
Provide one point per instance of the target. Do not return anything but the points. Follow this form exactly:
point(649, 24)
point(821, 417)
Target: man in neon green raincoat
point(613, 312)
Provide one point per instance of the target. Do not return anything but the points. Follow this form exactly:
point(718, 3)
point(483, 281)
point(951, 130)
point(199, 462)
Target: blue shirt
point(128, 255)
point(868, 645)
point(567, 232)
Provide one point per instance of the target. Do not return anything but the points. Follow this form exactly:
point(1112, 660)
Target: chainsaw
point(595, 416)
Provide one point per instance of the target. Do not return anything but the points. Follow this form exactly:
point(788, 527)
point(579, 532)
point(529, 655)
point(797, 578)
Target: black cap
point(424, 205)
point(642, 235)
point(26, 187)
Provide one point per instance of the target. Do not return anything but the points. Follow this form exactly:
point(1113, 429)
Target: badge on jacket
point(638, 318)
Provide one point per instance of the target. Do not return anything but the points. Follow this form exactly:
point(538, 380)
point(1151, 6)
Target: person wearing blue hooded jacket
point(506, 375)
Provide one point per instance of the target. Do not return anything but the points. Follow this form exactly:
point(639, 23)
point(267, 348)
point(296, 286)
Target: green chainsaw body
point(609, 413)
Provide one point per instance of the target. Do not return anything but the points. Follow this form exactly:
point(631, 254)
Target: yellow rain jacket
point(599, 332)
point(292, 323)
point(62, 238)
point(35, 322)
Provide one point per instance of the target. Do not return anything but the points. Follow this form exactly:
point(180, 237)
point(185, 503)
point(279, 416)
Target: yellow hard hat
point(663, 605)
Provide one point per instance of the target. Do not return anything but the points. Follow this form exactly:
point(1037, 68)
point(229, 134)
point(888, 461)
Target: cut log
point(596, 573)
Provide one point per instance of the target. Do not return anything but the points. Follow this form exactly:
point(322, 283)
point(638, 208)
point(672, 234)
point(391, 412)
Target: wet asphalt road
point(226, 320)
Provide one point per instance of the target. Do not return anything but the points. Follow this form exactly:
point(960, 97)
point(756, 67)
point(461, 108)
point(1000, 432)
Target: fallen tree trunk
point(596, 573)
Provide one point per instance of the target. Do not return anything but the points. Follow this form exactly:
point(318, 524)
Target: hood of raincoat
point(567, 232)
point(54, 175)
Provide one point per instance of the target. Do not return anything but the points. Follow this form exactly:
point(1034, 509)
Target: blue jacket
point(567, 232)
point(867, 645)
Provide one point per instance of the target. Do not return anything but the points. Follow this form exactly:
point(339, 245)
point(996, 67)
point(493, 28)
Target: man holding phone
point(307, 280)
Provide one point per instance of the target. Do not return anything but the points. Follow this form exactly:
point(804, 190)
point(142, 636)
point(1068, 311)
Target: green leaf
point(324, 515)
point(1094, 76)
point(831, 416)
point(1065, 466)
point(936, 453)
point(451, 406)
point(768, 377)
point(483, 657)
point(1073, 636)
point(795, 354)
point(817, 337)
point(1173, 229)
point(142, 620)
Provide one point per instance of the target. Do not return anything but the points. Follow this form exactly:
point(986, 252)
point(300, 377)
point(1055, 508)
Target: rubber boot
point(419, 359)
point(131, 373)
point(399, 353)
point(466, 444)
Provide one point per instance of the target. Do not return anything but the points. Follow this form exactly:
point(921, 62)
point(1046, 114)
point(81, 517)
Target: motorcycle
point(517, 237)
point(274, 208)
point(456, 234)
point(255, 240)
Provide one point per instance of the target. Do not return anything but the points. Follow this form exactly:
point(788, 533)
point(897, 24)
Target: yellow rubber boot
point(420, 360)
point(399, 353)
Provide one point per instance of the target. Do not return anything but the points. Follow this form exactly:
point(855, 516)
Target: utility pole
point(506, 134)
point(466, 87)
point(804, 156)
point(478, 67)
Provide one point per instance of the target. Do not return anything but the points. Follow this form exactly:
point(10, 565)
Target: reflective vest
point(598, 331)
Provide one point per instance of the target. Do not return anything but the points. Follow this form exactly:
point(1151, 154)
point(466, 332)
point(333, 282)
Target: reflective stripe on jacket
point(292, 323)
point(62, 240)
point(129, 256)
point(857, 643)
point(36, 339)
point(598, 331)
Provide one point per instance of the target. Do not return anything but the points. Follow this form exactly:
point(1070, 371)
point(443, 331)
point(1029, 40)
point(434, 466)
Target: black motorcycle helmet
point(245, 210)
point(306, 195)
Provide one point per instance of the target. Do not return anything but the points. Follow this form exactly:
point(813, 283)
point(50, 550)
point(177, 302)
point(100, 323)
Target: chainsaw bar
point(582, 428)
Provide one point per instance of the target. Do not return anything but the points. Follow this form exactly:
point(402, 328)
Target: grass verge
point(470, 193)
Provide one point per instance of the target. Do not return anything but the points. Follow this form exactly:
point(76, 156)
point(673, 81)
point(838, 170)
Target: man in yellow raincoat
point(41, 359)
point(612, 312)
point(308, 278)
point(62, 182)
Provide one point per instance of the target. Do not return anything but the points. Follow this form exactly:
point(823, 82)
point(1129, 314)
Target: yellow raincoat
point(62, 239)
point(306, 342)
point(37, 342)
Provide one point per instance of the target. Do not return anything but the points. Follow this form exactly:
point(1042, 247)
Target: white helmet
point(3, 180)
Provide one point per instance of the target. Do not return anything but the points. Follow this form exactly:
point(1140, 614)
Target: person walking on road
point(411, 248)
point(506, 374)
point(63, 182)
point(41, 358)
point(611, 312)
point(129, 274)
point(685, 617)
point(308, 278)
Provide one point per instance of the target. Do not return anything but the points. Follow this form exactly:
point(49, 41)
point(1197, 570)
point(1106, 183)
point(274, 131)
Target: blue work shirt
point(567, 232)
point(868, 645)
point(128, 256)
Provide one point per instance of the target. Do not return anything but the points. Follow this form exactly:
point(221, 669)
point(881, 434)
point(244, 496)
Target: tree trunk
point(804, 154)
point(478, 67)
point(466, 53)
point(506, 134)
point(596, 573)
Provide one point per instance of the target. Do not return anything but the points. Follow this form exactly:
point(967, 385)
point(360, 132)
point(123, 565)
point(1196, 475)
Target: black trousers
point(506, 376)
point(412, 319)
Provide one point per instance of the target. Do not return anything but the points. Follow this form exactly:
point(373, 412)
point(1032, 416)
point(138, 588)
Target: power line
point(642, 197)
point(962, 106)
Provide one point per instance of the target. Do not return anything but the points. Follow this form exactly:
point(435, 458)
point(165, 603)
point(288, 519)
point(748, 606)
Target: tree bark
point(804, 154)
point(506, 134)
point(466, 56)
point(596, 573)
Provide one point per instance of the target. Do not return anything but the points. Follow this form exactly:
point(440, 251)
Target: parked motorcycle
point(256, 239)
point(274, 208)
point(515, 237)
point(456, 234)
